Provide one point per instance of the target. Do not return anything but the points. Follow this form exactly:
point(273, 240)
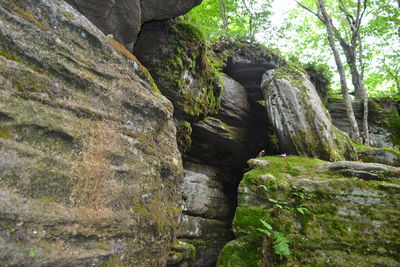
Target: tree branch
point(311, 11)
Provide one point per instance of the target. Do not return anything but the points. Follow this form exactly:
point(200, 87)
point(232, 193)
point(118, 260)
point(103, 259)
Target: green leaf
point(32, 252)
point(266, 225)
point(281, 245)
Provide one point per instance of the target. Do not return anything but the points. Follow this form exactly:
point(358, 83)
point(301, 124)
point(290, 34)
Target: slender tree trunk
point(222, 8)
point(363, 91)
point(354, 131)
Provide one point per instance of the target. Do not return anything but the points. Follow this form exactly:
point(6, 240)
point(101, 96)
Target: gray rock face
point(123, 19)
point(207, 235)
point(381, 156)
point(379, 115)
point(89, 166)
point(204, 196)
point(235, 106)
point(207, 211)
point(175, 54)
point(301, 123)
point(376, 168)
point(246, 63)
point(232, 136)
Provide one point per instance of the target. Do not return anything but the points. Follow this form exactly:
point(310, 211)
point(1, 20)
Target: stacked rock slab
point(89, 166)
point(123, 19)
point(300, 121)
point(331, 218)
point(381, 114)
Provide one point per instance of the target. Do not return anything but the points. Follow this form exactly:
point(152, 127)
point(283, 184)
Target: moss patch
point(325, 215)
point(182, 69)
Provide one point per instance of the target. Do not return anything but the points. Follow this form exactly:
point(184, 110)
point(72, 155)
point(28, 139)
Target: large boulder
point(383, 117)
point(329, 219)
point(247, 62)
point(207, 212)
point(238, 132)
point(175, 54)
point(123, 19)
point(89, 165)
point(300, 121)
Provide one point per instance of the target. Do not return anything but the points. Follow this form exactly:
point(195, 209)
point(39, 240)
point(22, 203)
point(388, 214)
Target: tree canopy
point(303, 36)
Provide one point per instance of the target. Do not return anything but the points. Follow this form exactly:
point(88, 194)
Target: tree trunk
point(222, 8)
point(354, 131)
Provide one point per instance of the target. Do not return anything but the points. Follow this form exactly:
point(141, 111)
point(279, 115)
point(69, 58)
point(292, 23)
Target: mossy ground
point(329, 219)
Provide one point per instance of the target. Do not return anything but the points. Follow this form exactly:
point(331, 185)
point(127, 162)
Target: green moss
point(184, 73)
point(184, 131)
point(112, 261)
point(29, 16)
point(69, 15)
point(279, 166)
point(243, 252)
point(318, 210)
point(5, 133)
point(188, 32)
point(10, 56)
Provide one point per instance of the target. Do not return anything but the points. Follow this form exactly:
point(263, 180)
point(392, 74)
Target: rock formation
point(328, 218)
point(302, 124)
point(381, 113)
point(108, 162)
point(87, 146)
point(123, 19)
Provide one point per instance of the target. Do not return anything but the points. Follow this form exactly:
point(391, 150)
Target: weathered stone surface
point(238, 132)
point(89, 166)
point(123, 19)
point(376, 168)
point(207, 235)
point(235, 107)
point(381, 113)
point(247, 62)
point(380, 156)
point(182, 254)
point(218, 143)
point(205, 196)
point(208, 210)
point(301, 123)
point(180, 68)
point(328, 218)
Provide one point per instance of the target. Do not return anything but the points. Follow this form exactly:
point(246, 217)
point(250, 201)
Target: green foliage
point(280, 244)
point(395, 127)
point(379, 31)
point(233, 18)
point(33, 253)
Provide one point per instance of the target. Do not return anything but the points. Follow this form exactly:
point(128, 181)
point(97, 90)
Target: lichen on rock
point(181, 68)
point(89, 165)
point(300, 121)
point(330, 219)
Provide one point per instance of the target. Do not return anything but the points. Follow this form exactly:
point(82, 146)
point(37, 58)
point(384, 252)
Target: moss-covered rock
point(385, 155)
point(300, 121)
point(89, 165)
point(123, 19)
point(329, 219)
point(183, 136)
point(180, 68)
point(383, 119)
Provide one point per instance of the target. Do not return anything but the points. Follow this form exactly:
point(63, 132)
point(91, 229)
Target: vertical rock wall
point(90, 173)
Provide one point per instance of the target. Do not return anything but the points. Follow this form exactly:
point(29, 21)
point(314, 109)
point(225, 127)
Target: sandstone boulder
point(89, 166)
point(300, 121)
point(180, 68)
point(123, 19)
point(328, 218)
